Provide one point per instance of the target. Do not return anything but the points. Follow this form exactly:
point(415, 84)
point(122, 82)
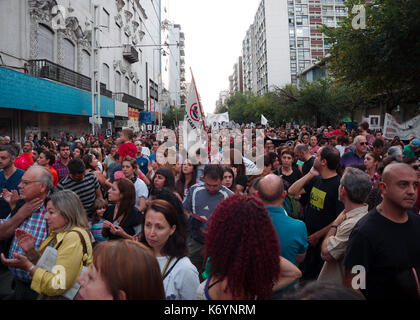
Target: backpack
point(292, 206)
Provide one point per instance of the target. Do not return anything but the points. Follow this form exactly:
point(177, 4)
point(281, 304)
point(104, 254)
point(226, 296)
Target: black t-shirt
point(387, 250)
point(324, 205)
point(292, 178)
point(132, 220)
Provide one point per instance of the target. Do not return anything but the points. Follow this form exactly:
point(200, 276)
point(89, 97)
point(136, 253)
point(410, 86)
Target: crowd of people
point(120, 223)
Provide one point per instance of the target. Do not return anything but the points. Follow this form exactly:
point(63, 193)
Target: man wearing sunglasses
point(358, 155)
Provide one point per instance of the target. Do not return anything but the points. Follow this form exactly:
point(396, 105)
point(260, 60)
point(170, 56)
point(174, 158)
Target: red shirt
point(127, 149)
point(24, 161)
point(55, 176)
point(336, 132)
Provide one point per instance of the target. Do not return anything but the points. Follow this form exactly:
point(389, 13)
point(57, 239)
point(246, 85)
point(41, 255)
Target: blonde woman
point(69, 235)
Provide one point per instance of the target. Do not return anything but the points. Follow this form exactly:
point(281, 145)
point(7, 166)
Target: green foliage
point(173, 116)
point(318, 102)
point(382, 60)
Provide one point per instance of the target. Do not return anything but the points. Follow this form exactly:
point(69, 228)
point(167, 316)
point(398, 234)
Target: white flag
point(264, 121)
point(193, 124)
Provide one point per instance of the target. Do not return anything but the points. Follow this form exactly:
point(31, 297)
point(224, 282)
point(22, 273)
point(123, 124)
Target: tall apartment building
point(45, 80)
point(283, 40)
point(173, 61)
point(237, 77)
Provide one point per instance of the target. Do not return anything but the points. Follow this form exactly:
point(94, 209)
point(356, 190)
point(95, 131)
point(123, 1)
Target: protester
point(340, 131)
point(62, 161)
point(371, 163)
point(85, 185)
point(321, 183)
point(47, 159)
point(25, 159)
point(288, 171)
point(165, 234)
point(131, 171)
point(96, 223)
point(353, 191)
point(139, 279)
point(244, 253)
point(127, 147)
point(164, 179)
point(121, 217)
point(200, 203)
point(10, 177)
point(91, 163)
point(142, 161)
point(385, 241)
point(69, 235)
point(186, 179)
point(412, 148)
point(27, 214)
point(358, 155)
point(228, 178)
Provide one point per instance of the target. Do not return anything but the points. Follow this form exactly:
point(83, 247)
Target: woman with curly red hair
point(244, 253)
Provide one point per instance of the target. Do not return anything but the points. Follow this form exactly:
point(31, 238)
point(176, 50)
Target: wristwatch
point(32, 267)
point(334, 226)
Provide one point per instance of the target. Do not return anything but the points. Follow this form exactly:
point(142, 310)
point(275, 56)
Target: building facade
point(48, 64)
point(284, 40)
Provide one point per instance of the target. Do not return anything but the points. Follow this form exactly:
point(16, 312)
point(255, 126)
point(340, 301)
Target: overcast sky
point(214, 31)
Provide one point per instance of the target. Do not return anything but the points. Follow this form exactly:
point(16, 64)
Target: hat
point(415, 143)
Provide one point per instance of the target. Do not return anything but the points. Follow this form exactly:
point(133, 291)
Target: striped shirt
point(35, 225)
point(85, 189)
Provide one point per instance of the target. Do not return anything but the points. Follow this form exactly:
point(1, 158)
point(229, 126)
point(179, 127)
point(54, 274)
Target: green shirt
point(408, 152)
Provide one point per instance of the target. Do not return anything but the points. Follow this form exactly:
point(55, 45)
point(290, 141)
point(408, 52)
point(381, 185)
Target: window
point(105, 19)
point(117, 82)
point(105, 75)
point(69, 54)
point(46, 43)
point(134, 90)
point(126, 88)
point(85, 67)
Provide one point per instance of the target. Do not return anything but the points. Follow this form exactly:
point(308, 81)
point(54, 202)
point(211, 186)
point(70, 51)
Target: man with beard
point(25, 160)
point(60, 165)
point(321, 183)
point(384, 244)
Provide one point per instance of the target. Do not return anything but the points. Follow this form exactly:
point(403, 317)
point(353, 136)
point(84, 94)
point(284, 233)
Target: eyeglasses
point(25, 183)
point(363, 143)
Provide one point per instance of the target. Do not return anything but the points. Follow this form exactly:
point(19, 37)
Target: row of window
point(46, 51)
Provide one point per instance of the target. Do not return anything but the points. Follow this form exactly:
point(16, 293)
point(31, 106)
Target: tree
point(173, 116)
point(383, 59)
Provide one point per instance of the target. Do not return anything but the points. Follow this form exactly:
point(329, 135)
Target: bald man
point(383, 255)
point(292, 233)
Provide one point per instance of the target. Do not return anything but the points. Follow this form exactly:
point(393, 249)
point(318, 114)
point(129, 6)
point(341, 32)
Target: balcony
point(50, 70)
point(130, 54)
point(130, 100)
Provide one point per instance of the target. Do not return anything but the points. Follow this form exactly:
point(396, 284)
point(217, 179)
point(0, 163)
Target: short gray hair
point(44, 177)
point(357, 184)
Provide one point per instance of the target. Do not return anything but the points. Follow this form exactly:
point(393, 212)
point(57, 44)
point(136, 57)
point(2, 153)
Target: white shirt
point(182, 282)
point(141, 191)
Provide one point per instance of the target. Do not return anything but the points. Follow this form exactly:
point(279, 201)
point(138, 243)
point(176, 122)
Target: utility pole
point(96, 119)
